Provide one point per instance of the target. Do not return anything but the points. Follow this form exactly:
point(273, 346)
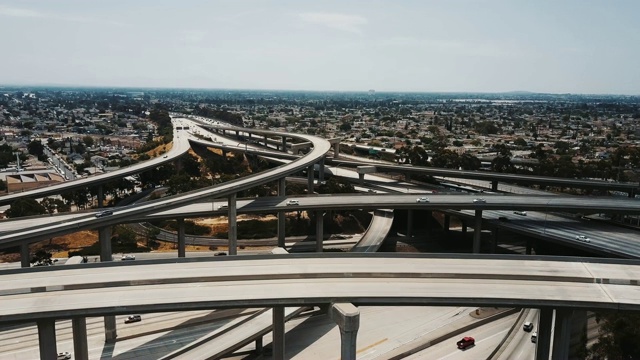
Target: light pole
point(17, 154)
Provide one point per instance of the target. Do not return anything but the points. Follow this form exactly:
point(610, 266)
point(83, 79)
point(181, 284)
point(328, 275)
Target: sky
point(553, 46)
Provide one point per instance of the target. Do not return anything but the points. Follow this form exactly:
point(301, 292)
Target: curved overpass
point(44, 227)
point(180, 146)
point(500, 177)
point(88, 221)
point(298, 280)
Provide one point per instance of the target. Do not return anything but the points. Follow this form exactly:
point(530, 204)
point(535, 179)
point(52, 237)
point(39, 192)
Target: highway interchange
point(596, 295)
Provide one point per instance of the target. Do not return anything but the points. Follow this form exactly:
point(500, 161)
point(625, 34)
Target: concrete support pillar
point(259, 345)
point(494, 185)
point(100, 196)
point(336, 150)
point(237, 133)
point(477, 232)
point(545, 323)
point(562, 334)
point(47, 339)
point(25, 256)
point(578, 341)
point(278, 333)
point(281, 214)
point(494, 241)
point(110, 329)
point(321, 171)
point(361, 179)
point(284, 143)
point(80, 347)
point(181, 238)
point(310, 179)
point(319, 231)
point(447, 222)
point(528, 250)
point(104, 237)
point(224, 154)
point(464, 228)
point(347, 316)
point(409, 223)
point(266, 144)
point(233, 226)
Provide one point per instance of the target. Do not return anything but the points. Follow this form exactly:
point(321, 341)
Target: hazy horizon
point(459, 46)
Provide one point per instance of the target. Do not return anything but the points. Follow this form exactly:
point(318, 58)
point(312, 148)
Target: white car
point(479, 201)
point(583, 238)
point(127, 257)
point(521, 213)
point(293, 202)
point(225, 206)
point(64, 355)
point(423, 199)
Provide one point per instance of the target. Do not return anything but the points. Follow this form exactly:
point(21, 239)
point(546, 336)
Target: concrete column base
point(110, 331)
point(25, 255)
point(347, 316)
point(310, 179)
point(477, 232)
point(278, 333)
point(104, 236)
point(233, 226)
point(182, 252)
point(319, 231)
point(543, 345)
point(562, 334)
point(80, 347)
point(321, 171)
point(47, 339)
point(282, 222)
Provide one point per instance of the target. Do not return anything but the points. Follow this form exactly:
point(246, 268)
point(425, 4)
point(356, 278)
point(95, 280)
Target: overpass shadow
point(303, 335)
point(176, 337)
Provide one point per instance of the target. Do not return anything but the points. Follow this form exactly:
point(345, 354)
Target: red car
point(466, 342)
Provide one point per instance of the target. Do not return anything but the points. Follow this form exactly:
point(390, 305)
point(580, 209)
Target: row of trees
point(545, 163)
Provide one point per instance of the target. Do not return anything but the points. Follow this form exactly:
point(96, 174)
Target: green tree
point(618, 338)
point(520, 142)
point(190, 165)
point(25, 207)
point(88, 141)
point(469, 162)
point(42, 257)
point(36, 148)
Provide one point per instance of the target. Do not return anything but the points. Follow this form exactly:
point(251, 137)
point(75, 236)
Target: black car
point(132, 319)
point(104, 213)
point(528, 326)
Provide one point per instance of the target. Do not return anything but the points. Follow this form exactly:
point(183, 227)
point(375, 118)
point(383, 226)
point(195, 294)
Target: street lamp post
point(17, 154)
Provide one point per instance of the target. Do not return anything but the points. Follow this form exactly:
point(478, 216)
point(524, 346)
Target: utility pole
point(17, 154)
